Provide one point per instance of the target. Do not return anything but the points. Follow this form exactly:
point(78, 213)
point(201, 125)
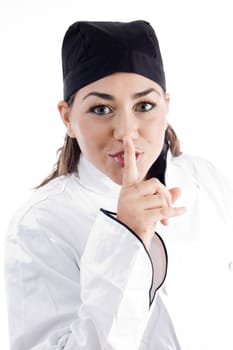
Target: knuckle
point(154, 181)
point(163, 211)
point(161, 199)
point(167, 212)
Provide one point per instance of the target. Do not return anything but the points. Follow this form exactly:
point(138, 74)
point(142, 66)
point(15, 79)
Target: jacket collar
point(96, 181)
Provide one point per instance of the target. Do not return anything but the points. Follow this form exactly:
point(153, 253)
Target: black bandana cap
point(93, 50)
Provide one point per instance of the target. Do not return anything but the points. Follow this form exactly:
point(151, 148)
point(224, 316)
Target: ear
point(167, 103)
point(167, 100)
point(64, 111)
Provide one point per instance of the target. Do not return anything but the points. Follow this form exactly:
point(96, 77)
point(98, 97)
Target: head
point(106, 111)
point(114, 87)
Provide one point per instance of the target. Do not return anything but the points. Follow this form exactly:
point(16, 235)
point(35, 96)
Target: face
point(108, 110)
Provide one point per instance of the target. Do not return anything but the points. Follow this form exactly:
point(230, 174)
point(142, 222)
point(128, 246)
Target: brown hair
point(69, 153)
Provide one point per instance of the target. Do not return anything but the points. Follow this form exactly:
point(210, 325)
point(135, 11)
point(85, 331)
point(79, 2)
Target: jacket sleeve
point(58, 302)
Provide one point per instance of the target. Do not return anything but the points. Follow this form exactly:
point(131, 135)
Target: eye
point(101, 110)
point(145, 106)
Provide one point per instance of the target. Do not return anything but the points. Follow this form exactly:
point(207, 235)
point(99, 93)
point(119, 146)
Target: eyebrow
point(110, 97)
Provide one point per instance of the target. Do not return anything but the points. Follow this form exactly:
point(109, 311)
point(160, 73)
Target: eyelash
point(92, 109)
point(152, 104)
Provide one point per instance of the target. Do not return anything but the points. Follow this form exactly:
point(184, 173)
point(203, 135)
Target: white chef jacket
point(77, 278)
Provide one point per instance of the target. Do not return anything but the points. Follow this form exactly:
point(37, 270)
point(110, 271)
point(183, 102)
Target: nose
point(125, 125)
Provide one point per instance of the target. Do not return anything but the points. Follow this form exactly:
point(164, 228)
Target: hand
point(142, 204)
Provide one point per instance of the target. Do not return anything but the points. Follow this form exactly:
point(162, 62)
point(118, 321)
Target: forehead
point(120, 84)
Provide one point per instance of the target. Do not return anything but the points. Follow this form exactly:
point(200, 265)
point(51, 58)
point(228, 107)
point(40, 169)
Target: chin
point(116, 179)
point(115, 176)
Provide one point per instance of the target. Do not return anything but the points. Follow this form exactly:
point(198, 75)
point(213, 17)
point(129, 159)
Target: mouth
point(120, 159)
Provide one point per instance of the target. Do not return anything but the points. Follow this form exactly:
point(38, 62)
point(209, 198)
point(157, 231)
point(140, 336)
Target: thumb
point(175, 193)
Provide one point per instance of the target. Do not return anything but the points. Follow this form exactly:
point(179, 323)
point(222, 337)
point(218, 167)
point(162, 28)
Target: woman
point(87, 256)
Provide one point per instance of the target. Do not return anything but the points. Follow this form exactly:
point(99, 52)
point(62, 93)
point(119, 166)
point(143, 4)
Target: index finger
point(130, 172)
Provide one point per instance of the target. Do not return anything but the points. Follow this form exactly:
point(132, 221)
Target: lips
point(119, 157)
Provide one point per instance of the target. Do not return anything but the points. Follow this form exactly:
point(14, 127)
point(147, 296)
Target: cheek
point(89, 134)
point(155, 132)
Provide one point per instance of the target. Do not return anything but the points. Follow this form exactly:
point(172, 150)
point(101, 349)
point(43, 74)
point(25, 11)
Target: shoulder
point(202, 172)
point(195, 165)
point(191, 162)
point(44, 205)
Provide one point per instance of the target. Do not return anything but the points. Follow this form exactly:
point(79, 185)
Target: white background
point(196, 39)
